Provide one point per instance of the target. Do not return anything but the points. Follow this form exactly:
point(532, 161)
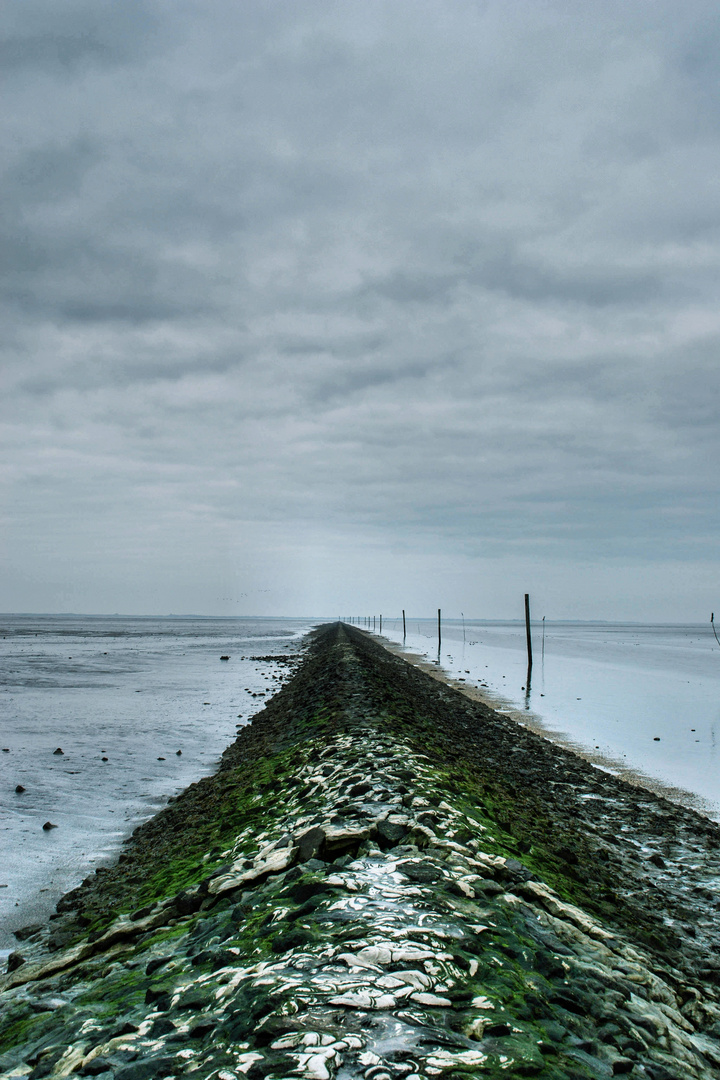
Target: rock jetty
point(387, 880)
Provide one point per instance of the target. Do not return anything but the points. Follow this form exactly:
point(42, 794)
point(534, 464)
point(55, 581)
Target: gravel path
point(384, 879)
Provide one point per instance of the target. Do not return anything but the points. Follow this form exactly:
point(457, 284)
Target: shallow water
point(134, 691)
point(637, 698)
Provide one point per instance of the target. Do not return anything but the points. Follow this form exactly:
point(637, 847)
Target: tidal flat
point(383, 879)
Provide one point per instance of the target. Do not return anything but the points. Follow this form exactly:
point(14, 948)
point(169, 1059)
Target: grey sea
point(139, 707)
point(642, 701)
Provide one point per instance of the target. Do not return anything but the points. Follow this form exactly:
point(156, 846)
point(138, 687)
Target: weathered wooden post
point(381, 624)
point(373, 624)
point(439, 628)
point(527, 630)
point(404, 624)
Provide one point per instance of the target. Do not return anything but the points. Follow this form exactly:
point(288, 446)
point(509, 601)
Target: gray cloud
point(344, 300)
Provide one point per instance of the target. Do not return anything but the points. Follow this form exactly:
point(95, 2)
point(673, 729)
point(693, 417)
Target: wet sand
point(385, 879)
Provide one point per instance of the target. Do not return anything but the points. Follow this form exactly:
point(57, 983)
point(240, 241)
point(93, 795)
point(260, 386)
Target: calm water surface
point(132, 691)
point(639, 699)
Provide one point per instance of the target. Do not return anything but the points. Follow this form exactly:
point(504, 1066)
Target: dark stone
point(517, 870)
point(158, 962)
point(206, 956)
point(48, 1062)
point(549, 965)
point(294, 939)
point(126, 1028)
point(48, 826)
point(310, 842)
point(19, 789)
point(275, 1064)
point(547, 1049)
point(315, 864)
point(569, 1001)
point(96, 1066)
point(497, 1031)
point(58, 751)
point(148, 1069)
point(609, 1032)
point(303, 890)
point(659, 1072)
point(194, 1000)
point(305, 909)
point(657, 860)
point(273, 1028)
point(203, 1027)
point(26, 932)
point(187, 903)
point(421, 872)
point(162, 1026)
point(488, 887)
point(358, 789)
point(622, 1065)
point(14, 961)
point(158, 996)
point(142, 912)
point(390, 833)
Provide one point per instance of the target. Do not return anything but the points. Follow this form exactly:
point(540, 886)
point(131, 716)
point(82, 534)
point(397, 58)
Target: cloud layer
point(348, 306)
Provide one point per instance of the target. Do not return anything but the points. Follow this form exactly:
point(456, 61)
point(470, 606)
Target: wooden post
point(373, 624)
point(404, 624)
point(439, 629)
point(381, 624)
point(527, 630)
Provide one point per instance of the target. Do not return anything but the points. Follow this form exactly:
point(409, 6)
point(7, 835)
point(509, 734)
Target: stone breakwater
point(384, 880)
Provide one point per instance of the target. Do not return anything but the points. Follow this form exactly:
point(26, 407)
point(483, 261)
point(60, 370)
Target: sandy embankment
point(385, 879)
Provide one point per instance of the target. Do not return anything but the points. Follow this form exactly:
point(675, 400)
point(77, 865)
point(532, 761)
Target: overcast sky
point(328, 307)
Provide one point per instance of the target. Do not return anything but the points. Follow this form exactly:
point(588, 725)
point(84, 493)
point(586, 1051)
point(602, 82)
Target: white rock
point(444, 1059)
point(244, 1061)
point(287, 1042)
point(317, 1068)
point(356, 961)
point(481, 1002)
point(417, 979)
point(375, 954)
point(430, 999)
point(359, 999)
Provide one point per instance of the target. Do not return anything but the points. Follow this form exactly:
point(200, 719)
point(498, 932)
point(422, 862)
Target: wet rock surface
point(384, 879)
